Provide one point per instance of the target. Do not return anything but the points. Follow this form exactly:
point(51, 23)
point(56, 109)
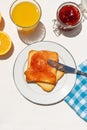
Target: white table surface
point(16, 113)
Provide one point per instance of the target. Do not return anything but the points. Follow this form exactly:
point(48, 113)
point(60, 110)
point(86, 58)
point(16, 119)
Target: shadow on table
point(2, 24)
point(72, 33)
point(8, 55)
point(37, 35)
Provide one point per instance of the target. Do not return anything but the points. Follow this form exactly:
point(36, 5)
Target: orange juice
point(26, 13)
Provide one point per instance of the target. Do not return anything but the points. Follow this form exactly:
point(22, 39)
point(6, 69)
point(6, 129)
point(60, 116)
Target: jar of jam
point(68, 17)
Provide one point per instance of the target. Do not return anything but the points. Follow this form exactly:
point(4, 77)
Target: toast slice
point(38, 69)
point(49, 87)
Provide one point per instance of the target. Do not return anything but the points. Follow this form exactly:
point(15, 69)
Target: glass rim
point(33, 1)
point(69, 3)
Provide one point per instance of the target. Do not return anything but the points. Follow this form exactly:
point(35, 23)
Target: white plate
point(33, 92)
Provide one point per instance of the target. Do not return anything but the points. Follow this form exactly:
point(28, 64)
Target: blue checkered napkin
point(77, 98)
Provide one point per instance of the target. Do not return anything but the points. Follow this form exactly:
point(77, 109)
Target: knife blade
point(65, 68)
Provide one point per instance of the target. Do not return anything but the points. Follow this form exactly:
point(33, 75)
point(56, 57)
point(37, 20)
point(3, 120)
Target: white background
point(16, 113)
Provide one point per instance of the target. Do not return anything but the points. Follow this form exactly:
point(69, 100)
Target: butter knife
point(65, 68)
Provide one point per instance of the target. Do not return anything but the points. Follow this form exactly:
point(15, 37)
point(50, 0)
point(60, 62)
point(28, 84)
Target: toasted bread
point(49, 87)
point(38, 69)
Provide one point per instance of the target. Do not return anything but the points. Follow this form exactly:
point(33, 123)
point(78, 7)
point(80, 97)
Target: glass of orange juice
point(26, 16)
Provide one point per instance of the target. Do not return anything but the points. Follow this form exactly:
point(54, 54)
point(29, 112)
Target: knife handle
point(81, 73)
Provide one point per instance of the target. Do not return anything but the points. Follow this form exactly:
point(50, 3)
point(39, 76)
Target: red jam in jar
point(69, 15)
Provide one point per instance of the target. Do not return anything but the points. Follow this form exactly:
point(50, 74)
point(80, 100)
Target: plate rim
point(42, 42)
